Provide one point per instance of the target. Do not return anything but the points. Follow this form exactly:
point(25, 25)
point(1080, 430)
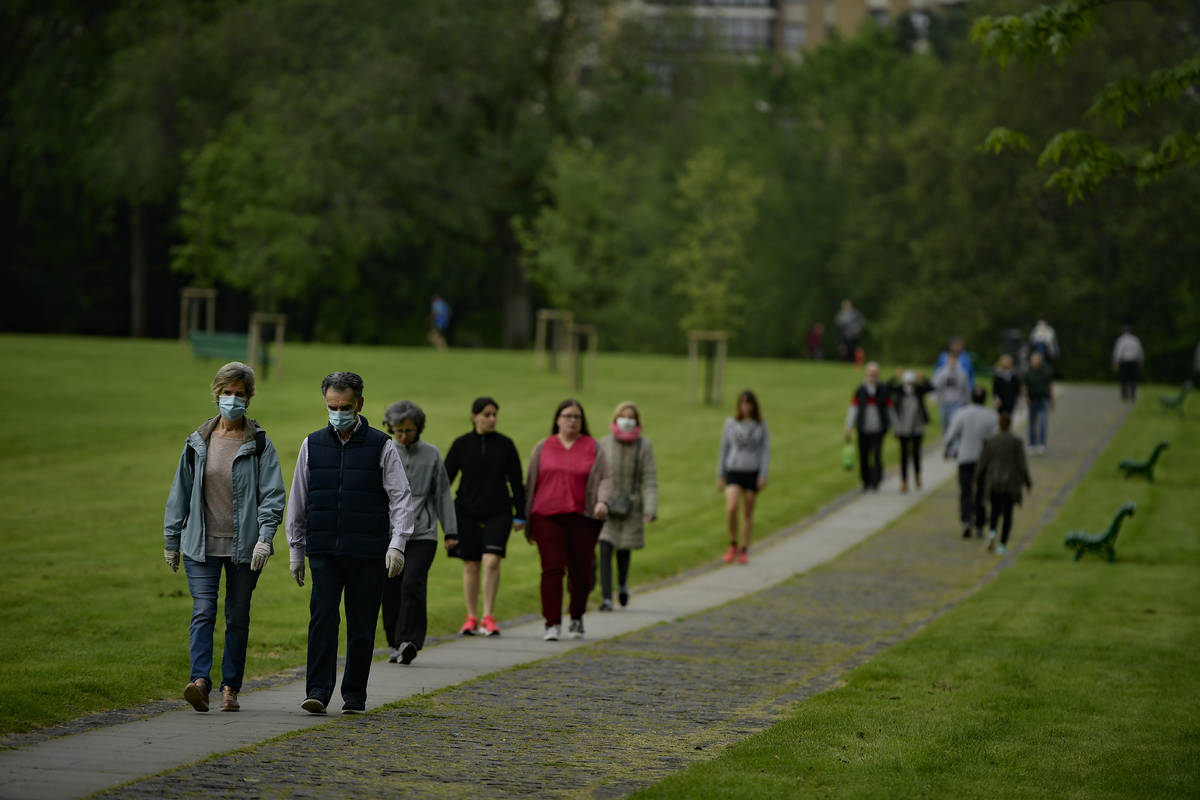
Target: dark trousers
point(1002, 506)
point(870, 459)
point(567, 545)
point(606, 554)
point(971, 508)
point(361, 581)
point(1127, 371)
point(910, 447)
point(404, 605)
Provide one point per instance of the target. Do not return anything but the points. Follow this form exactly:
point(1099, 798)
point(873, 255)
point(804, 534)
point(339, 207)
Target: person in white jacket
point(970, 429)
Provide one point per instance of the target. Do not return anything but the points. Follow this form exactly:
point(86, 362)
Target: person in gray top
point(742, 464)
point(969, 430)
point(952, 388)
point(1127, 360)
point(404, 596)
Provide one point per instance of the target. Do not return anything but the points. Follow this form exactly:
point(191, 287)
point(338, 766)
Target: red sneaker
point(489, 626)
point(741, 558)
point(730, 554)
point(470, 627)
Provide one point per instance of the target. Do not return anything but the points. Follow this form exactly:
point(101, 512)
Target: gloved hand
point(297, 568)
point(258, 559)
point(172, 559)
point(394, 561)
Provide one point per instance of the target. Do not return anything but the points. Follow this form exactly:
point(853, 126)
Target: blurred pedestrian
point(350, 513)
point(958, 350)
point(850, 323)
point(1038, 387)
point(225, 503)
point(490, 504)
point(1127, 360)
point(567, 491)
point(742, 463)
point(1043, 339)
point(1006, 385)
point(1001, 472)
point(815, 336)
point(634, 499)
point(951, 389)
point(439, 319)
point(870, 414)
point(970, 428)
point(404, 596)
point(909, 418)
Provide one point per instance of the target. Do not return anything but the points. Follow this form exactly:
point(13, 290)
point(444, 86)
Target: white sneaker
point(576, 629)
point(552, 632)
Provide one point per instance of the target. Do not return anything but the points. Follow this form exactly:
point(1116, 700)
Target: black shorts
point(479, 535)
point(746, 480)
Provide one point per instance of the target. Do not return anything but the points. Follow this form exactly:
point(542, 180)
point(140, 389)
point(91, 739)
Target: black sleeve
point(516, 480)
point(452, 462)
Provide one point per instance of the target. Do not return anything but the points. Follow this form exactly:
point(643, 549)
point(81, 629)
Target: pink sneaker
point(470, 627)
point(730, 554)
point(489, 626)
point(741, 558)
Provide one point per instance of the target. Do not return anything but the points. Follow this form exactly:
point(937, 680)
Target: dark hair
point(1005, 421)
point(570, 401)
point(748, 395)
point(343, 381)
point(979, 395)
point(398, 412)
point(481, 403)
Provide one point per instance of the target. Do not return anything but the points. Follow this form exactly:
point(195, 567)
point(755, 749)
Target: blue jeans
point(1038, 414)
point(204, 581)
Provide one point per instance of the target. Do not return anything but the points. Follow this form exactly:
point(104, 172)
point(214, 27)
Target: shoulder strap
point(260, 442)
point(637, 463)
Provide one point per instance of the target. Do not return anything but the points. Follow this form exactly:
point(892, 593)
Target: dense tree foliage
point(343, 162)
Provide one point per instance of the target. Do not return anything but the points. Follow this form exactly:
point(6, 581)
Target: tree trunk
point(518, 305)
point(137, 273)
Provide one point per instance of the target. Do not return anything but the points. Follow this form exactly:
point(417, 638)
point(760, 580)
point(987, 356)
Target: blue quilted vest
point(347, 504)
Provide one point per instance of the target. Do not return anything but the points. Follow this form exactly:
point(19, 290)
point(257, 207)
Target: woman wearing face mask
point(567, 491)
point(224, 506)
point(634, 500)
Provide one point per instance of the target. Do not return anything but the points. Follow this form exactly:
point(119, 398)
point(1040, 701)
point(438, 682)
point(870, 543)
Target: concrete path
point(514, 705)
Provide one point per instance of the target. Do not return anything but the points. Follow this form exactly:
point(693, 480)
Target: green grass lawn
point(1059, 679)
point(93, 619)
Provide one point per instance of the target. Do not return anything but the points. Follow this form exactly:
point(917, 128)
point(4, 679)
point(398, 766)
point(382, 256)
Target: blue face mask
point(232, 408)
point(342, 420)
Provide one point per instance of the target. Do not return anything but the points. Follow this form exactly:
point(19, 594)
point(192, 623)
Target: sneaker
point(623, 596)
point(730, 554)
point(470, 627)
point(606, 604)
point(552, 632)
point(918, 481)
point(313, 706)
point(196, 693)
point(742, 558)
point(394, 656)
point(967, 532)
point(991, 541)
point(904, 485)
point(407, 651)
point(489, 626)
point(229, 700)
point(576, 628)
point(1001, 549)
point(354, 709)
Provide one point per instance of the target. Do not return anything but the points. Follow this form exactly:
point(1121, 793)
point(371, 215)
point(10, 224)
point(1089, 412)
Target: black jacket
point(490, 467)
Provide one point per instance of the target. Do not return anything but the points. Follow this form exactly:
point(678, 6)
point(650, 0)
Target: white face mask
point(626, 424)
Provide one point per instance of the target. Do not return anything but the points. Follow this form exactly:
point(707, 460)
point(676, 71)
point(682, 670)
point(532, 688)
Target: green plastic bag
point(848, 456)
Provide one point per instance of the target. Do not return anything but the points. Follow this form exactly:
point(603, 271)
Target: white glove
point(172, 559)
point(297, 568)
point(258, 560)
point(394, 561)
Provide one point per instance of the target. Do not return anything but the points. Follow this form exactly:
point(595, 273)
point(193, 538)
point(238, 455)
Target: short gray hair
point(398, 412)
point(233, 371)
point(343, 381)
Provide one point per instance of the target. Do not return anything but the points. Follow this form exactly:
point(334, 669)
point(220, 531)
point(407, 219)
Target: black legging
point(910, 446)
point(1002, 505)
point(970, 499)
point(606, 552)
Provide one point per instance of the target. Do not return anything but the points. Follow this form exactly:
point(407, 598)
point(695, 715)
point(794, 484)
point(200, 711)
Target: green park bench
point(1176, 401)
point(1131, 467)
point(226, 346)
point(1100, 542)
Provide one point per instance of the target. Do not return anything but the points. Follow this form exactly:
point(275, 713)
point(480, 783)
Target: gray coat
point(431, 498)
point(628, 533)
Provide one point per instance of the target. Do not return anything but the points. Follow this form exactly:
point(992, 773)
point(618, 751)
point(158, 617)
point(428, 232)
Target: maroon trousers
point(566, 543)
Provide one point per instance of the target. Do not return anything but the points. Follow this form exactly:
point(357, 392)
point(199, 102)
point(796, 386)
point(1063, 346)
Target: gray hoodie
point(971, 428)
point(431, 498)
point(745, 447)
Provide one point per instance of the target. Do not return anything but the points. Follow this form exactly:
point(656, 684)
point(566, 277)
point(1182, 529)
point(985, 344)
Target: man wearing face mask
point(350, 512)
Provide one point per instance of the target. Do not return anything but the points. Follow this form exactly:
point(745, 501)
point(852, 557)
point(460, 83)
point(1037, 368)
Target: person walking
point(1001, 472)
point(490, 504)
point(870, 413)
point(1006, 385)
point(909, 418)
point(1038, 387)
point(567, 492)
point(350, 511)
point(1043, 339)
point(404, 596)
point(952, 389)
point(224, 506)
point(850, 324)
point(1127, 360)
point(742, 463)
point(970, 428)
point(957, 349)
point(634, 499)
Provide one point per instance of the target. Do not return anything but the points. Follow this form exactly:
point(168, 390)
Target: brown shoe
point(229, 700)
point(904, 485)
point(196, 693)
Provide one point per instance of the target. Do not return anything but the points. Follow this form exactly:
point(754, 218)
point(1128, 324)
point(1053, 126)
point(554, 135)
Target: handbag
point(620, 505)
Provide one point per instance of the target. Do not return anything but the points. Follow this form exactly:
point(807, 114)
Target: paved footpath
point(683, 672)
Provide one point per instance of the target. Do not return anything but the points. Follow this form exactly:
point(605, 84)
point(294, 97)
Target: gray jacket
point(431, 498)
point(745, 447)
point(952, 385)
point(971, 428)
point(257, 496)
